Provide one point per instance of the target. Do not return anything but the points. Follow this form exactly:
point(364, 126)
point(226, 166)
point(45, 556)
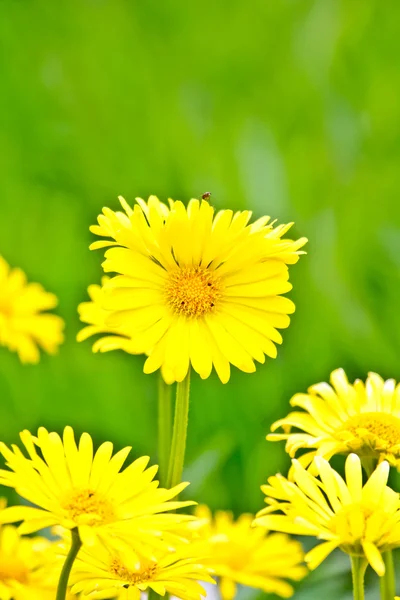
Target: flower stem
point(164, 427)
point(388, 582)
point(358, 566)
point(69, 561)
point(178, 446)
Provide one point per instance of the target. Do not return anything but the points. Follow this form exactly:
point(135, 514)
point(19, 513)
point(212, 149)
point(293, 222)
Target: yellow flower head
point(194, 287)
point(103, 572)
point(240, 553)
point(96, 316)
point(74, 488)
point(344, 418)
point(24, 327)
point(23, 561)
point(360, 520)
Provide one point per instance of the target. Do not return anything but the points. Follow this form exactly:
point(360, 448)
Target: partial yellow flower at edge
point(240, 554)
point(96, 316)
point(360, 520)
point(104, 572)
point(343, 418)
point(24, 327)
point(194, 287)
point(73, 487)
point(24, 563)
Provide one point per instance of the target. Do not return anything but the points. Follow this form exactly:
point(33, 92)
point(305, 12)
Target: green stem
point(164, 427)
point(388, 581)
point(178, 446)
point(69, 561)
point(358, 566)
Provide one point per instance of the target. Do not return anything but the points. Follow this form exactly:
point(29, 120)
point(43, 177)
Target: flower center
point(118, 569)
point(13, 569)
point(193, 291)
point(88, 508)
point(380, 431)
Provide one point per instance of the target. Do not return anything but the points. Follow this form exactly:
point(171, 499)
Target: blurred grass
point(289, 108)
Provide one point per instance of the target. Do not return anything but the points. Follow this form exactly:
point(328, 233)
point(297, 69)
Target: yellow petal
point(374, 558)
point(318, 554)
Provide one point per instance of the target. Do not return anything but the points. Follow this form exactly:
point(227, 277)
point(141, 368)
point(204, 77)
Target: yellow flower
point(344, 418)
point(22, 563)
point(73, 488)
point(194, 287)
point(360, 520)
point(240, 553)
point(95, 316)
point(24, 327)
point(103, 572)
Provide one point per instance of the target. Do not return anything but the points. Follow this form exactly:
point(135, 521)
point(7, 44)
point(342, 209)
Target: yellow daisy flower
point(343, 418)
point(96, 316)
point(239, 553)
point(360, 520)
point(24, 327)
point(194, 287)
point(22, 560)
point(103, 572)
point(73, 488)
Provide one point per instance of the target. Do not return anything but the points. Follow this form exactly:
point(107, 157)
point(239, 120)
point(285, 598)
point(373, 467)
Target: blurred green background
point(290, 108)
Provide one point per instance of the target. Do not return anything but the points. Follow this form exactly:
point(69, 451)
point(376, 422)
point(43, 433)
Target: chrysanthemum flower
point(360, 520)
point(344, 418)
point(24, 327)
point(73, 488)
point(96, 316)
point(238, 553)
point(194, 287)
point(22, 561)
point(101, 572)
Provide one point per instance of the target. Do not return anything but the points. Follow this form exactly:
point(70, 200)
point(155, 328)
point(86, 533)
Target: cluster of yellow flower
point(363, 422)
point(131, 540)
point(192, 289)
